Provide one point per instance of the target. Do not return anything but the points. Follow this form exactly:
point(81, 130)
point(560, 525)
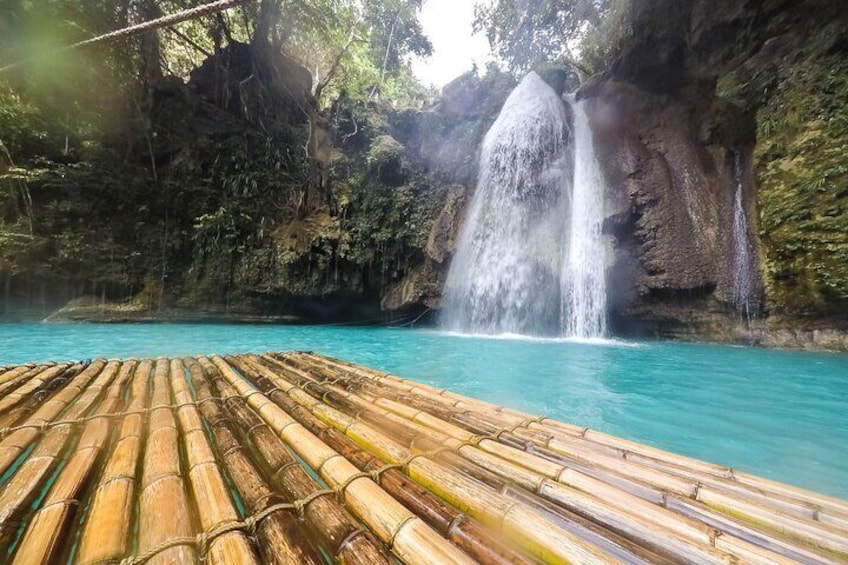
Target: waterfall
point(530, 258)
point(583, 276)
point(743, 269)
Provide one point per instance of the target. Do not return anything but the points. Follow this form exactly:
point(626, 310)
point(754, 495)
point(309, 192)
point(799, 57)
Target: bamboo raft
point(298, 458)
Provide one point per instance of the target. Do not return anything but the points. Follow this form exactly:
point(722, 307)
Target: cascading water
point(530, 258)
point(583, 274)
point(742, 264)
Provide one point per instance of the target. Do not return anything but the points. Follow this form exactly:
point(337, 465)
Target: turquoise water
point(780, 414)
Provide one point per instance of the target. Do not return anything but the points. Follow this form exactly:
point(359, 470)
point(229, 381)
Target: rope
point(44, 426)
point(248, 525)
point(150, 25)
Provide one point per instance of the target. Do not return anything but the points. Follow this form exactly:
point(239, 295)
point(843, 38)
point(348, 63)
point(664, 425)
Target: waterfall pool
point(779, 414)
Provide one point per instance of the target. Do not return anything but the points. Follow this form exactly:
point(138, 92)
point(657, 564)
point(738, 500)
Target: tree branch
point(351, 36)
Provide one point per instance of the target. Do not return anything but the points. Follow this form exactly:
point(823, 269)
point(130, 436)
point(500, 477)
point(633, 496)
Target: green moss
point(384, 150)
point(803, 183)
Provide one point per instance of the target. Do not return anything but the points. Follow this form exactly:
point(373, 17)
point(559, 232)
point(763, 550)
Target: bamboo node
point(391, 542)
point(208, 399)
point(348, 539)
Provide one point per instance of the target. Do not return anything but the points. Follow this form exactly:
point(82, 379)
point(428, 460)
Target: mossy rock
point(803, 183)
point(386, 159)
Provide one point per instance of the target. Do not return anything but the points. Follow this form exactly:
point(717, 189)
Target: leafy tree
point(526, 33)
point(106, 183)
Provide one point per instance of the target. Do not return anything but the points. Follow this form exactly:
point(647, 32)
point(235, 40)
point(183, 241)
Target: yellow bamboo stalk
point(107, 530)
point(34, 400)
point(613, 507)
point(776, 517)
point(787, 547)
point(44, 534)
point(411, 540)
point(212, 499)
point(20, 394)
point(24, 484)
point(338, 533)
point(827, 510)
point(12, 446)
point(466, 532)
point(813, 534)
point(280, 537)
point(165, 513)
point(20, 374)
point(539, 536)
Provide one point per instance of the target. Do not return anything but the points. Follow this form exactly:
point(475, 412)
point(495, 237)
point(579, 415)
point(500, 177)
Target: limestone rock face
point(694, 88)
point(443, 142)
point(670, 186)
point(441, 243)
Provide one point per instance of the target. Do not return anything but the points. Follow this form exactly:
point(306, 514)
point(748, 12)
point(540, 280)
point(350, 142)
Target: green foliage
point(117, 176)
point(603, 43)
point(526, 33)
point(803, 177)
point(384, 150)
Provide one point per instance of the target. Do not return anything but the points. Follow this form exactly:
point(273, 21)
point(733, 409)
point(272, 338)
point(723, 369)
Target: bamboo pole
point(28, 480)
point(35, 382)
point(540, 537)
point(18, 441)
point(212, 498)
point(47, 528)
point(648, 524)
point(167, 535)
point(463, 530)
point(335, 529)
point(281, 539)
point(777, 544)
point(684, 526)
point(738, 501)
point(411, 540)
point(630, 449)
point(20, 374)
point(831, 515)
point(813, 534)
point(34, 400)
point(109, 523)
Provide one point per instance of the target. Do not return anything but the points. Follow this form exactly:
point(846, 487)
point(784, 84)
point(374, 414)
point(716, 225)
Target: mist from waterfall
point(530, 258)
point(743, 269)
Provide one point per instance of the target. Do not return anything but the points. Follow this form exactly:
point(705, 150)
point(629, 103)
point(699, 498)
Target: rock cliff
point(702, 96)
